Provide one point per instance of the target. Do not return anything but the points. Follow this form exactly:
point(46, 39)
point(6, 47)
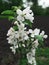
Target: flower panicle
point(23, 38)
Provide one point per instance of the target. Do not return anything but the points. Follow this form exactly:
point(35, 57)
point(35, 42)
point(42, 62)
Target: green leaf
point(40, 40)
point(10, 18)
point(27, 22)
point(8, 12)
point(39, 37)
point(14, 8)
point(15, 27)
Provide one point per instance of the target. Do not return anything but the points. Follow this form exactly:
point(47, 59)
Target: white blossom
point(13, 48)
point(43, 34)
point(26, 3)
point(29, 17)
point(22, 34)
point(33, 50)
point(35, 32)
point(34, 61)
point(25, 14)
point(36, 43)
point(26, 37)
point(12, 40)
point(27, 10)
point(12, 36)
point(10, 31)
point(43, 3)
point(20, 18)
point(30, 31)
point(31, 58)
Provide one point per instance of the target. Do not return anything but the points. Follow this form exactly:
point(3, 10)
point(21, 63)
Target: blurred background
point(39, 7)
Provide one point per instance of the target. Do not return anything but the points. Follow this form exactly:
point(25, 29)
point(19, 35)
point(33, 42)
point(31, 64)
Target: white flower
point(26, 37)
point(22, 36)
point(10, 31)
point(43, 34)
point(25, 14)
point(27, 4)
point(34, 61)
point(12, 36)
point(43, 3)
point(21, 26)
point(30, 31)
point(20, 18)
point(12, 39)
point(21, 33)
point(33, 50)
point(35, 32)
point(27, 10)
point(29, 17)
point(30, 58)
point(14, 48)
point(36, 43)
point(19, 12)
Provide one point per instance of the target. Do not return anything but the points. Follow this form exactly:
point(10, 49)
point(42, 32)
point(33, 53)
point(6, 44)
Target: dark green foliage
point(42, 52)
point(42, 56)
point(23, 61)
point(8, 12)
point(40, 40)
point(5, 6)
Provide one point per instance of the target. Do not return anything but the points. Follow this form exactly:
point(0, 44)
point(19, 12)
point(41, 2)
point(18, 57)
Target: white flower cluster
point(43, 3)
point(25, 14)
point(31, 57)
point(31, 54)
point(16, 37)
point(37, 32)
